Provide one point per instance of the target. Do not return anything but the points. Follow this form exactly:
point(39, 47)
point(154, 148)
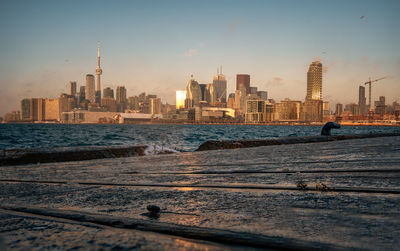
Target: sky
point(154, 46)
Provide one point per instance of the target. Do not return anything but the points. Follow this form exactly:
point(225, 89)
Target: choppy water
point(186, 137)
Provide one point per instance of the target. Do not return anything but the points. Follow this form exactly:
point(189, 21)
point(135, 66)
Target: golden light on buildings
point(180, 99)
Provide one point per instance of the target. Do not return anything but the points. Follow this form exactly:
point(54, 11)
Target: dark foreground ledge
point(244, 143)
point(26, 156)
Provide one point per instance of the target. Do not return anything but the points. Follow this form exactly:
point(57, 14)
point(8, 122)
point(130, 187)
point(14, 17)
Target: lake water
point(187, 137)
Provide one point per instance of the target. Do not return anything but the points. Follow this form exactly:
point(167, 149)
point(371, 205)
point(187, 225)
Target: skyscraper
point(314, 81)
point(362, 101)
point(108, 93)
point(203, 88)
point(121, 98)
point(211, 96)
point(155, 105)
point(72, 88)
point(90, 92)
point(243, 79)
point(180, 99)
point(193, 93)
point(219, 82)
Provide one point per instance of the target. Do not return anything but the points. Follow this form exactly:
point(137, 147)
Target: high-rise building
point(339, 109)
point(203, 89)
point(220, 84)
point(108, 93)
point(243, 79)
point(362, 101)
point(121, 98)
point(90, 92)
point(82, 95)
point(72, 88)
point(211, 95)
point(287, 110)
point(314, 81)
point(180, 99)
point(311, 111)
point(193, 93)
point(32, 109)
point(155, 105)
point(121, 94)
point(262, 95)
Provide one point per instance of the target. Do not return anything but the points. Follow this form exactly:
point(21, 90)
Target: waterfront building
point(287, 110)
point(155, 105)
point(314, 81)
point(352, 109)
point(255, 111)
point(311, 111)
point(220, 85)
point(109, 104)
point(72, 88)
point(180, 99)
point(193, 93)
point(90, 92)
point(32, 109)
point(108, 93)
point(243, 79)
point(362, 101)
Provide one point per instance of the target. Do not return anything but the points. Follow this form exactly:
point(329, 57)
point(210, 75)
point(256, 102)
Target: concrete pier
point(331, 195)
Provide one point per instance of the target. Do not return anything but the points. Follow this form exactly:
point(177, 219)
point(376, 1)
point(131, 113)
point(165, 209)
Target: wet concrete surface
point(251, 191)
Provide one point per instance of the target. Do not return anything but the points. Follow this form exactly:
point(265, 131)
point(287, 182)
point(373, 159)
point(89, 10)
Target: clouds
point(191, 53)
point(275, 82)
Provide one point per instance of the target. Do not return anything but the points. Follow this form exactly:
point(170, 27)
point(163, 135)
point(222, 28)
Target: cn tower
point(98, 69)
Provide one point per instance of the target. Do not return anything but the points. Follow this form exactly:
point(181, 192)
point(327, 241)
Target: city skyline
point(35, 67)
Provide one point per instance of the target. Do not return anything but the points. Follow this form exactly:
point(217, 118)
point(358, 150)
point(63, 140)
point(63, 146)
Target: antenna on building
point(221, 69)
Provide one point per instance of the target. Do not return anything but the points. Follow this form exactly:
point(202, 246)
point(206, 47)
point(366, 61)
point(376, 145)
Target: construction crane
point(369, 82)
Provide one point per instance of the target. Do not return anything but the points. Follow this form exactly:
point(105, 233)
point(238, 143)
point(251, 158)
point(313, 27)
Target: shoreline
point(213, 123)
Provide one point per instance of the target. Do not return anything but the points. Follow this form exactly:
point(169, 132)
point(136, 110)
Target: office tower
point(109, 103)
point(219, 82)
point(231, 101)
point(180, 99)
point(339, 109)
point(243, 79)
point(133, 103)
point(262, 95)
point(211, 95)
point(90, 92)
point(32, 109)
point(253, 90)
point(121, 98)
point(203, 88)
point(108, 93)
point(193, 93)
point(82, 95)
point(99, 71)
point(121, 94)
point(362, 101)
point(72, 88)
point(240, 99)
point(380, 106)
point(314, 81)
point(155, 105)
